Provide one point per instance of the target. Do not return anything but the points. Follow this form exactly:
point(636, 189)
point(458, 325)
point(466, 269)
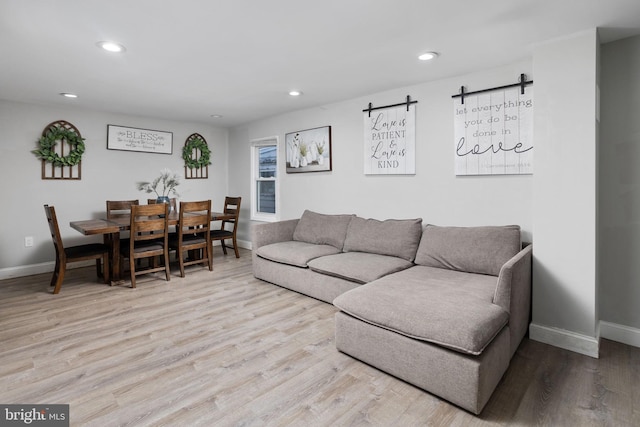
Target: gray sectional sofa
point(443, 308)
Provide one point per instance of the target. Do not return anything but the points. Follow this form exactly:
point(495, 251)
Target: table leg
point(116, 274)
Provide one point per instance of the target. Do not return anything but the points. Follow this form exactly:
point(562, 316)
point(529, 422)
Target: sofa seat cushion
point(358, 267)
point(444, 307)
point(295, 253)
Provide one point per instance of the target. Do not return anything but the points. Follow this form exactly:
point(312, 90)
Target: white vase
point(320, 159)
point(303, 161)
point(295, 163)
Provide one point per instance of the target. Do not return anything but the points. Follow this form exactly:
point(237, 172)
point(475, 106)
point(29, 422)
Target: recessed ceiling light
point(295, 93)
point(69, 95)
point(216, 116)
point(427, 56)
point(111, 46)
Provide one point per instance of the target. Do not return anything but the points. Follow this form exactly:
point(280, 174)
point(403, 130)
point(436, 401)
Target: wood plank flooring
point(223, 348)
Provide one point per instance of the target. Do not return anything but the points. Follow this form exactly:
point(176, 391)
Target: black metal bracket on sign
point(522, 82)
point(407, 103)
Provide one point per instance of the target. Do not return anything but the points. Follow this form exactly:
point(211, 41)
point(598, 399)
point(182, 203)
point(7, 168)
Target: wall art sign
point(493, 133)
point(309, 150)
point(390, 141)
point(134, 139)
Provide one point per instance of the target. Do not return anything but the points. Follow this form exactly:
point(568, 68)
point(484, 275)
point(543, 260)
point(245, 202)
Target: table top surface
point(95, 226)
point(122, 222)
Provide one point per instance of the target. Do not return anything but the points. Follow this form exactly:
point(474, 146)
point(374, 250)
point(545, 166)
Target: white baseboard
point(47, 267)
point(568, 340)
point(29, 270)
point(620, 333)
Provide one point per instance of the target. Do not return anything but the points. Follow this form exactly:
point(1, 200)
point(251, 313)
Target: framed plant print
point(309, 150)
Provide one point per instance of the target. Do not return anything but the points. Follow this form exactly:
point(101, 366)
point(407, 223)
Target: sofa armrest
point(515, 273)
point(513, 293)
point(272, 232)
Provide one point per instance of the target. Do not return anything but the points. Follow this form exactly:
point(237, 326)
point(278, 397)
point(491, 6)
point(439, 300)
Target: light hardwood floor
point(223, 348)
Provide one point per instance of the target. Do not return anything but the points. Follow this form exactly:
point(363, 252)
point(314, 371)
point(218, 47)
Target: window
point(264, 191)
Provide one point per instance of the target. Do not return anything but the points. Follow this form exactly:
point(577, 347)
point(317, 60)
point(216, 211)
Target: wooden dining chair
point(120, 208)
point(97, 251)
point(172, 208)
point(192, 234)
point(229, 227)
point(172, 202)
point(117, 208)
point(149, 239)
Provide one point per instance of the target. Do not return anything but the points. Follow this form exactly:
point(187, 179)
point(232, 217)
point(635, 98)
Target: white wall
point(564, 195)
point(620, 190)
point(557, 207)
point(106, 174)
point(434, 193)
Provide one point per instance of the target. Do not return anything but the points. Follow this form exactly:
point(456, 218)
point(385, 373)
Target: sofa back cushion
point(394, 237)
point(322, 229)
point(482, 250)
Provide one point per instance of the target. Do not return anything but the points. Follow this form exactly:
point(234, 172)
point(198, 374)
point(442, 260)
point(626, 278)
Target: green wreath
point(205, 154)
point(48, 142)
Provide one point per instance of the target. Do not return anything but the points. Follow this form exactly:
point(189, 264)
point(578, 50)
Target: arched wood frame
point(62, 149)
point(196, 173)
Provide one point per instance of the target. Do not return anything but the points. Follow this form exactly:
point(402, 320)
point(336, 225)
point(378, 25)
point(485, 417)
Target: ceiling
point(190, 59)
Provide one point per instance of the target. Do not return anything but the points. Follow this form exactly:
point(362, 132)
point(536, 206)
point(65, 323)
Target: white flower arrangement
point(163, 185)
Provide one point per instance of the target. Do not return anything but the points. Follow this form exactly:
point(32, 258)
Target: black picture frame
point(309, 150)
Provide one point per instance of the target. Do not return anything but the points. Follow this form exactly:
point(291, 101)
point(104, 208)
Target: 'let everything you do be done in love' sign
point(493, 133)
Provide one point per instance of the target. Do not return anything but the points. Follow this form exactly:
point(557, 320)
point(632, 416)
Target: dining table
point(113, 226)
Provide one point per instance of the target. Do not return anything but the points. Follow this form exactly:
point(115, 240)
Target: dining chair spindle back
point(149, 228)
point(192, 234)
point(117, 209)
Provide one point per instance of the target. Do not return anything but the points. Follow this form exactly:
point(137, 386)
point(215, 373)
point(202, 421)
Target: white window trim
point(255, 215)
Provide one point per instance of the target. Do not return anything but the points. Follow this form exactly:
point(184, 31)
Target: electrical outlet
point(28, 241)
